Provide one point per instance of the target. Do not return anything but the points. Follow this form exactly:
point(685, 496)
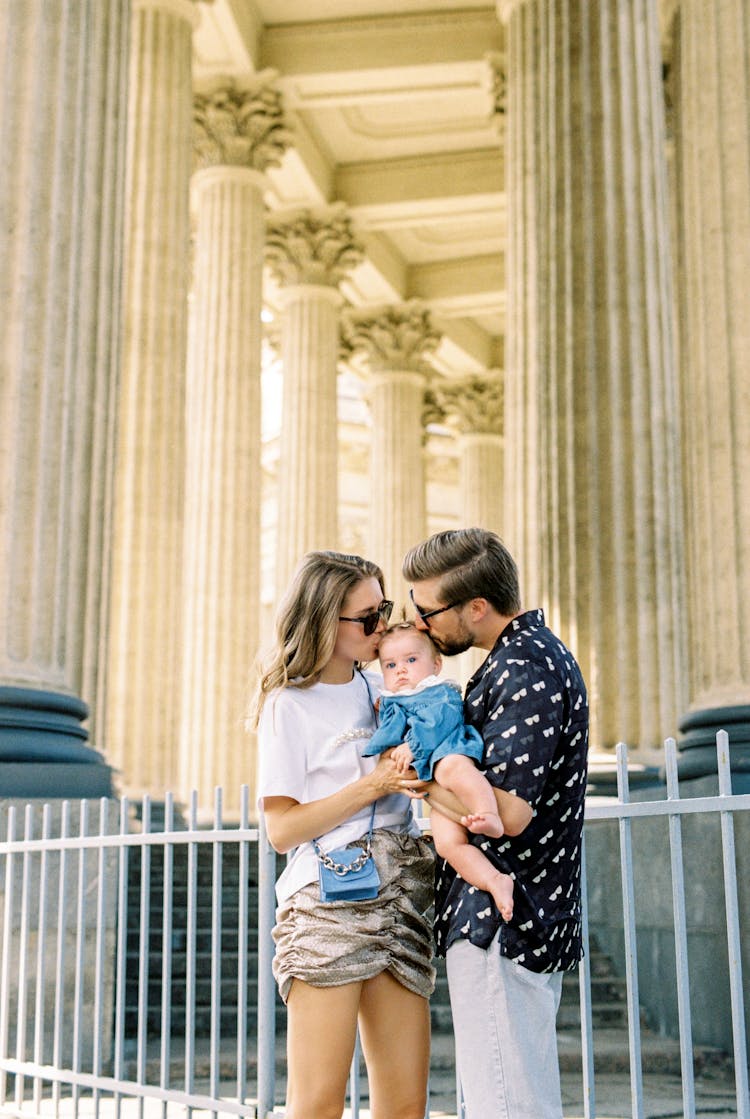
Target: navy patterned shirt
point(528, 702)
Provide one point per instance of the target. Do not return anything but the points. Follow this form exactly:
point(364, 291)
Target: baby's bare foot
point(483, 823)
point(501, 889)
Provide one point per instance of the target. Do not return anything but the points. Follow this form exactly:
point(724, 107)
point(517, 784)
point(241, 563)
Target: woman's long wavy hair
point(307, 622)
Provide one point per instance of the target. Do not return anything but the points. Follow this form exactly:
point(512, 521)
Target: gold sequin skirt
point(347, 942)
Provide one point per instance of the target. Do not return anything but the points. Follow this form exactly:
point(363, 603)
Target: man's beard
point(451, 647)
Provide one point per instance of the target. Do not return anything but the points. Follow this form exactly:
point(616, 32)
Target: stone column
point(473, 407)
point(395, 343)
point(592, 476)
point(309, 254)
point(62, 134)
point(144, 668)
point(714, 160)
point(238, 133)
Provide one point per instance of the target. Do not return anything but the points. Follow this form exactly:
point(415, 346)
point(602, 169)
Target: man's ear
point(478, 608)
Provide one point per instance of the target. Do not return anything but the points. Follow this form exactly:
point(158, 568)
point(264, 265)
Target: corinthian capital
point(312, 248)
point(240, 125)
point(396, 339)
point(472, 405)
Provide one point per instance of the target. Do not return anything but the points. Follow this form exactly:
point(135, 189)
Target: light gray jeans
point(506, 1044)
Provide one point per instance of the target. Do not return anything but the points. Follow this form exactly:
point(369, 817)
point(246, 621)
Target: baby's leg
point(474, 867)
point(459, 774)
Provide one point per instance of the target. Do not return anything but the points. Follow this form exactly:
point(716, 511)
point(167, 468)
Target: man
point(528, 702)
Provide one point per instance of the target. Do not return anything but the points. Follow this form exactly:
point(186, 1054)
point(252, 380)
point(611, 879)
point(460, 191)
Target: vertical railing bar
point(122, 954)
point(166, 951)
point(101, 916)
point(144, 928)
point(584, 994)
point(62, 894)
point(631, 957)
point(192, 883)
point(28, 833)
point(266, 994)
point(41, 935)
point(78, 972)
point(5, 963)
point(680, 935)
point(216, 903)
point(354, 1080)
point(733, 930)
point(243, 927)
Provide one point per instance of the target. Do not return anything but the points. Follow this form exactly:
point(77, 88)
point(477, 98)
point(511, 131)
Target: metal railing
point(108, 926)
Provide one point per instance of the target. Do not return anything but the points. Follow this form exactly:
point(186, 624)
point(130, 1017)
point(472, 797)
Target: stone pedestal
point(62, 96)
point(713, 156)
point(395, 344)
point(144, 668)
point(592, 463)
point(309, 254)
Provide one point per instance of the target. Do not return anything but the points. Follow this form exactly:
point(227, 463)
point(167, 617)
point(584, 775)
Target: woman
point(343, 963)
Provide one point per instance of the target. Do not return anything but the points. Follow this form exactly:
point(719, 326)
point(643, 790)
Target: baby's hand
point(403, 757)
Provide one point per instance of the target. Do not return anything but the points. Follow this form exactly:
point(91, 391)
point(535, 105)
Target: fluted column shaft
point(146, 603)
point(308, 467)
point(394, 343)
point(222, 506)
point(714, 158)
point(238, 132)
point(397, 474)
point(592, 462)
point(482, 479)
point(62, 132)
point(473, 407)
point(309, 254)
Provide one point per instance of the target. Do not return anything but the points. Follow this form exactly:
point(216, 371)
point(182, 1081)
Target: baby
point(422, 717)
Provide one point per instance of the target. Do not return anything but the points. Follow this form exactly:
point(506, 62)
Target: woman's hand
point(387, 778)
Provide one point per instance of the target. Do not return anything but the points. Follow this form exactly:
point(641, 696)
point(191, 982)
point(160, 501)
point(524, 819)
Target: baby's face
point(405, 659)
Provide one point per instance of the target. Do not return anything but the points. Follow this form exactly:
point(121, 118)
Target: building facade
point(281, 276)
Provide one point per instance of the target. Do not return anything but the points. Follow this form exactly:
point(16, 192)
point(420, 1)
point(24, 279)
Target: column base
point(697, 747)
point(43, 751)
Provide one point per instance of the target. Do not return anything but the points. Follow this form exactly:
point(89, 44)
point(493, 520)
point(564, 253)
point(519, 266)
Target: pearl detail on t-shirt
point(352, 735)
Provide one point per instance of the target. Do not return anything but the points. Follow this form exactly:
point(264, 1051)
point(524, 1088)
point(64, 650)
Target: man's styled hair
point(470, 563)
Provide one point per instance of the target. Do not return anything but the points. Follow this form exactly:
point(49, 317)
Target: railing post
point(631, 949)
point(733, 930)
point(266, 988)
point(680, 935)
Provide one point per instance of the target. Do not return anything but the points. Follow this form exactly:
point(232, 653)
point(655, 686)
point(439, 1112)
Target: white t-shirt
point(309, 746)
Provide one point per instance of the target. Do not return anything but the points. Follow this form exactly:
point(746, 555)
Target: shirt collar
point(529, 620)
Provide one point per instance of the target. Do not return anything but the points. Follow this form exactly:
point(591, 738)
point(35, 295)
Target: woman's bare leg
point(321, 1028)
point(451, 843)
point(394, 1025)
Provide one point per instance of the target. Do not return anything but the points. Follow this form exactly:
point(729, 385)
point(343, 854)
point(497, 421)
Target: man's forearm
point(515, 813)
